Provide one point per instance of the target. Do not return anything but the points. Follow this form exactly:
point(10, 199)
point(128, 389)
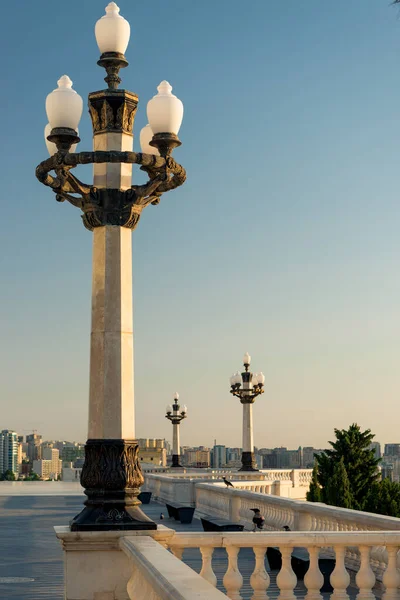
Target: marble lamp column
point(248, 459)
point(247, 386)
point(175, 415)
point(111, 474)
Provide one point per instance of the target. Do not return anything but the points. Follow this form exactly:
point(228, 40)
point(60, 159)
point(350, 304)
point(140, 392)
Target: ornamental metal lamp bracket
point(111, 111)
point(247, 386)
point(111, 206)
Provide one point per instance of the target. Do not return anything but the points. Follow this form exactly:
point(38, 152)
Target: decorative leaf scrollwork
point(107, 116)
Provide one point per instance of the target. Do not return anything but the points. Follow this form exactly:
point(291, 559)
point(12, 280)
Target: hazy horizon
point(282, 242)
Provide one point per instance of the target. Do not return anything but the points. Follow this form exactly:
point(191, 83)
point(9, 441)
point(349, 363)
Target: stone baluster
point(340, 579)
point(177, 551)
point(365, 578)
point(206, 568)
point(233, 579)
point(391, 577)
point(313, 580)
point(286, 579)
point(259, 579)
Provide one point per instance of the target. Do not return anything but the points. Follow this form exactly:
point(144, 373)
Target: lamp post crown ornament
point(112, 110)
point(253, 383)
point(173, 413)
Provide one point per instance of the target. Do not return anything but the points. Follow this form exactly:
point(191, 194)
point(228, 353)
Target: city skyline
point(384, 445)
point(283, 242)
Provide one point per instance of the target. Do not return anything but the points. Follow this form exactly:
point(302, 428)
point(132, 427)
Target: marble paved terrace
point(31, 561)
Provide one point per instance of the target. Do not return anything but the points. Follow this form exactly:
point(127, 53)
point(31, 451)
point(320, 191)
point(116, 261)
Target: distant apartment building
point(233, 458)
point(218, 456)
point(392, 450)
point(197, 457)
point(376, 447)
point(34, 441)
point(388, 472)
point(153, 451)
point(71, 452)
point(70, 472)
point(50, 466)
point(8, 452)
point(282, 458)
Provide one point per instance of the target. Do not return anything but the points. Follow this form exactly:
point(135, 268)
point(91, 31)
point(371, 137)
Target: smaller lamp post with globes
point(175, 415)
point(247, 386)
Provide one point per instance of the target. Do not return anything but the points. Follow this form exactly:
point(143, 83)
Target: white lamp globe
point(146, 135)
point(232, 379)
point(51, 147)
point(165, 111)
point(176, 396)
point(64, 106)
point(112, 31)
point(255, 379)
point(168, 409)
point(184, 409)
point(246, 359)
point(261, 378)
point(238, 377)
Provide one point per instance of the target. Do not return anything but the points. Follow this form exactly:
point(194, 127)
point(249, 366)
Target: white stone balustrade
point(333, 543)
point(126, 565)
point(214, 499)
point(235, 504)
point(297, 514)
point(175, 487)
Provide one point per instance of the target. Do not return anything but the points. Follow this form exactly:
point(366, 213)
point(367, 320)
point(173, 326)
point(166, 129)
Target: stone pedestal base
point(95, 568)
point(175, 461)
point(248, 462)
point(112, 478)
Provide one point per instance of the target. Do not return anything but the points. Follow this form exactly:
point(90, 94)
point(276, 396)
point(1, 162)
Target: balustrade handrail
point(286, 539)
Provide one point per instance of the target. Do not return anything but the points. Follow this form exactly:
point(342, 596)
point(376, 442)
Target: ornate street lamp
point(247, 386)
point(111, 207)
point(175, 415)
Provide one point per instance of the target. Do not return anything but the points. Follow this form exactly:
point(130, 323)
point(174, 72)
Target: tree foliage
point(314, 493)
point(8, 476)
point(338, 488)
point(347, 475)
point(359, 469)
point(384, 498)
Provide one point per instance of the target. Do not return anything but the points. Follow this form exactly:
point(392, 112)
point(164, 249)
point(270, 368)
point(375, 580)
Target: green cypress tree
point(314, 493)
point(338, 489)
point(353, 447)
point(384, 498)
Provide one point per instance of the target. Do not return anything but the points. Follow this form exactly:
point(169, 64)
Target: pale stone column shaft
point(248, 442)
point(175, 440)
point(111, 396)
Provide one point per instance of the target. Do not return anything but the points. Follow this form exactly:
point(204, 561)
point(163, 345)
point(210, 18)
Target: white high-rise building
point(8, 452)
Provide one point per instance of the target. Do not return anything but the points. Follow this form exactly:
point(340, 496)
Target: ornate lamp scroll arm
point(164, 175)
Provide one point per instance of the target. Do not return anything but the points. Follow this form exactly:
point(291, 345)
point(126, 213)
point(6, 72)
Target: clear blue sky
point(284, 241)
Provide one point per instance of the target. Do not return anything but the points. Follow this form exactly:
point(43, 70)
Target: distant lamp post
point(111, 208)
point(247, 386)
point(175, 414)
